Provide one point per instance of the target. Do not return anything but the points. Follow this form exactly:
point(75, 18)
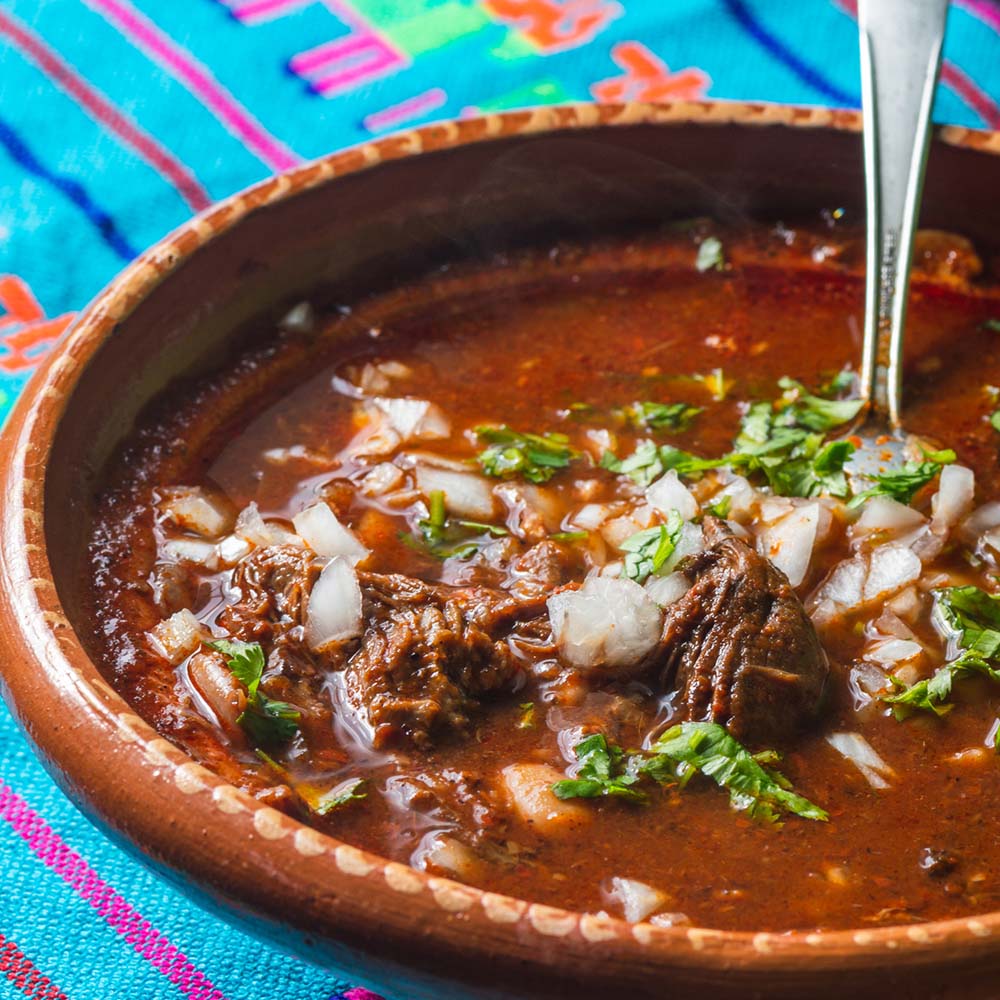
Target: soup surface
point(559, 577)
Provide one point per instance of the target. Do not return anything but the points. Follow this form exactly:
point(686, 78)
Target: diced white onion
point(608, 624)
point(891, 568)
point(861, 753)
point(192, 550)
point(690, 542)
point(448, 854)
point(590, 516)
point(178, 637)
point(669, 493)
point(636, 899)
point(893, 651)
point(326, 536)
point(845, 584)
point(381, 479)
point(788, 542)
point(667, 589)
point(465, 493)
point(414, 419)
point(888, 515)
point(954, 497)
point(333, 613)
point(532, 511)
point(251, 527)
point(981, 520)
point(742, 497)
point(232, 549)
point(773, 508)
point(192, 509)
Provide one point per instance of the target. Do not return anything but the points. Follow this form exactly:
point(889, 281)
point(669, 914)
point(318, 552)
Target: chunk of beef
point(274, 583)
point(542, 569)
point(428, 654)
point(739, 646)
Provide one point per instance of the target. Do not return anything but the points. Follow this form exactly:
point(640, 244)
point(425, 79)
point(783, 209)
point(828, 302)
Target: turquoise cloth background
point(120, 118)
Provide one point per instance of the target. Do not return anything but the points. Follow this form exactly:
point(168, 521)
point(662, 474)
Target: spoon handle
point(900, 56)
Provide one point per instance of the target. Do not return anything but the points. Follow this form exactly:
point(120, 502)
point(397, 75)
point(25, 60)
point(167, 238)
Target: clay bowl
point(345, 224)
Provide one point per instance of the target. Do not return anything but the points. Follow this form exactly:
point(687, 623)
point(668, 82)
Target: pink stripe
point(410, 108)
point(159, 47)
point(104, 112)
point(987, 11)
point(328, 52)
point(264, 10)
point(970, 92)
point(360, 993)
point(119, 914)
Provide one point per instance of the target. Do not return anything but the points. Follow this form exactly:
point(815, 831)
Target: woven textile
point(120, 118)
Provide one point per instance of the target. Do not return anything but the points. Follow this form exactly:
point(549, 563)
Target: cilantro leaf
point(444, 537)
point(649, 462)
point(721, 507)
point(602, 772)
point(995, 420)
point(647, 551)
point(710, 255)
point(662, 416)
point(335, 798)
point(265, 720)
point(707, 748)
point(536, 457)
point(681, 752)
point(973, 617)
point(814, 412)
point(902, 484)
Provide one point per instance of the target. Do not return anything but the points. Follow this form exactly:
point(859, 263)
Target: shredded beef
point(274, 584)
point(739, 646)
point(428, 654)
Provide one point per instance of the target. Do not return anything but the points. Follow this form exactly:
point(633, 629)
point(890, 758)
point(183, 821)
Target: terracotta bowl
point(352, 222)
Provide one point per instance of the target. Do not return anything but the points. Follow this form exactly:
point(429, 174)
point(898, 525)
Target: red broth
point(565, 342)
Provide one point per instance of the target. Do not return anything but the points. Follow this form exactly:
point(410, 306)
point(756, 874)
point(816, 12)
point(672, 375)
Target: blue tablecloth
point(120, 118)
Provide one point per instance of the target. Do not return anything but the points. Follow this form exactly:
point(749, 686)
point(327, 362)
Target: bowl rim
point(47, 661)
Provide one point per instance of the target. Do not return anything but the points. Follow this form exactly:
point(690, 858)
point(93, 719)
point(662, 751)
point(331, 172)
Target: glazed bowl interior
point(335, 239)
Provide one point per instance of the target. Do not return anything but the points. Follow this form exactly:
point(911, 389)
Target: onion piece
point(788, 542)
point(637, 899)
point(333, 612)
point(666, 590)
point(232, 549)
point(690, 542)
point(414, 419)
point(178, 636)
point(954, 498)
point(669, 493)
point(891, 567)
point(889, 652)
point(861, 753)
point(607, 626)
point(251, 527)
point(301, 318)
point(887, 515)
point(532, 511)
point(465, 493)
point(191, 550)
point(326, 536)
point(590, 516)
point(982, 520)
point(191, 508)
point(381, 479)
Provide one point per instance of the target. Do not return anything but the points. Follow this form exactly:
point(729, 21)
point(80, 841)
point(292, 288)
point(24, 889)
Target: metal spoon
point(901, 43)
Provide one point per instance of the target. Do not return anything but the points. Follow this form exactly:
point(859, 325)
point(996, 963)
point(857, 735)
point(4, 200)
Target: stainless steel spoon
point(901, 43)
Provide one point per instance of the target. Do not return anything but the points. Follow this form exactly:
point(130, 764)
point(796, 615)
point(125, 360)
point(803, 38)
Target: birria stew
point(556, 575)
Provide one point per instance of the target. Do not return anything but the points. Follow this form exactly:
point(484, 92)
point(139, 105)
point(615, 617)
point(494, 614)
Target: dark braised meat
point(274, 584)
point(429, 653)
point(739, 646)
point(542, 569)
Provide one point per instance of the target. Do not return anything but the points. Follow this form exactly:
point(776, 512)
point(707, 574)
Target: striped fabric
point(120, 118)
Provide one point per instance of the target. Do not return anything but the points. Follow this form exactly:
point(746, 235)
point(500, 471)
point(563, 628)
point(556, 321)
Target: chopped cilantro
point(902, 484)
point(710, 255)
point(680, 753)
point(570, 536)
point(716, 383)
point(536, 457)
point(662, 416)
point(995, 420)
point(973, 617)
point(720, 507)
point(649, 462)
point(602, 771)
point(707, 748)
point(527, 719)
point(991, 324)
point(647, 551)
point(337, 797)
point(815, 413)
point(265, 720)
point(444, 537)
